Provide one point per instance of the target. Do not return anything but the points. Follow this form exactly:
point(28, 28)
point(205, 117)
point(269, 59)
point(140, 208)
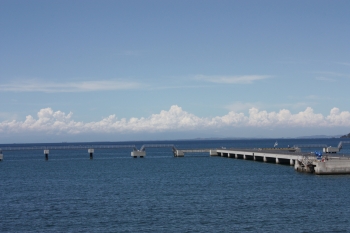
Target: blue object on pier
point(318, 154)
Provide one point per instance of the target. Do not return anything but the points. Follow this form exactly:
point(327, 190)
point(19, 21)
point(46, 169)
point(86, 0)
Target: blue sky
point(140, 70)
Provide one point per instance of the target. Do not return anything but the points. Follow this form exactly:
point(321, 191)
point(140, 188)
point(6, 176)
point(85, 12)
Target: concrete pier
point(291, 162)
point(302, 162)
point(278, 157)
point(332, 166)
point(181, 153)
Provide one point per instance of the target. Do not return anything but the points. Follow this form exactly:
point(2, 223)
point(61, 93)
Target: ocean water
point(160, 193)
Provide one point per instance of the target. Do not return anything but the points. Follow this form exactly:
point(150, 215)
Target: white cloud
point(245, 106)
point(325, 73)
point(37, 85)
point(245, 79)
point(325, 79)
point(174, 119)
point(42, 86)
point(337, 118)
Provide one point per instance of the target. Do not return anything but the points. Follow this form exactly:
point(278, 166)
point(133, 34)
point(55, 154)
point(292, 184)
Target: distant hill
point(346, 136)
point(319, 136)
point(248, 138)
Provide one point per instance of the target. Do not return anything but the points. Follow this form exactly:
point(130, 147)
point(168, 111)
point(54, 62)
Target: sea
point(162, 193)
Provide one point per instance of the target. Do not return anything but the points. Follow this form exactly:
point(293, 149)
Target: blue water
point(160, 193)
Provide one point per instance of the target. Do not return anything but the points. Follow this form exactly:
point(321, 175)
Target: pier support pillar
point(236, 156)
point(254, 157)
point(291, 162)
point(277, 161)
point(265, 159)
point(1, 155)
point(213, 153)
point(91, 152)
point(228, 155)
point(46, 153)
point(297, 165)
point(244, 157)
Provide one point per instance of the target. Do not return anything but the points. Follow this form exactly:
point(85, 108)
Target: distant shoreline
point(346, 136)
point(194, 139)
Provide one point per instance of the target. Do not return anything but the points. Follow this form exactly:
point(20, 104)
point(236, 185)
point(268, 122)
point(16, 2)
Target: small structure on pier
point(137, 153)
point(142, 152)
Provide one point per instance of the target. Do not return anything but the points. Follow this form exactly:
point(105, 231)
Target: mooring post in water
point(91, 152)
point(46, 153)
point(1, 155)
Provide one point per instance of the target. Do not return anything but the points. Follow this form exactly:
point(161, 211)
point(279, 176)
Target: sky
point(161, 70)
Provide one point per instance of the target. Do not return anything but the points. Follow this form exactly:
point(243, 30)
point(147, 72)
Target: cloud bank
point(35, 85)
point(174, 120)
point(244, 79)
point(86, 86)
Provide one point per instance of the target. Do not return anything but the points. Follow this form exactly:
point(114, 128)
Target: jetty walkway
point(303, 162)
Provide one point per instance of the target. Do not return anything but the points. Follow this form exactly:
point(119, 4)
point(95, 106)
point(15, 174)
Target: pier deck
point(302, 162)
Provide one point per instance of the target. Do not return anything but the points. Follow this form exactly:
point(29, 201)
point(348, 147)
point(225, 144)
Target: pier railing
point(310, 146)
point(79, 147)
point(340, 145)
point(143, 148)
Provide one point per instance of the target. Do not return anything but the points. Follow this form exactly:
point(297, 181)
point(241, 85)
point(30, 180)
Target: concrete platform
point(302, 162)
point(140, 154)
point(332, 166)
